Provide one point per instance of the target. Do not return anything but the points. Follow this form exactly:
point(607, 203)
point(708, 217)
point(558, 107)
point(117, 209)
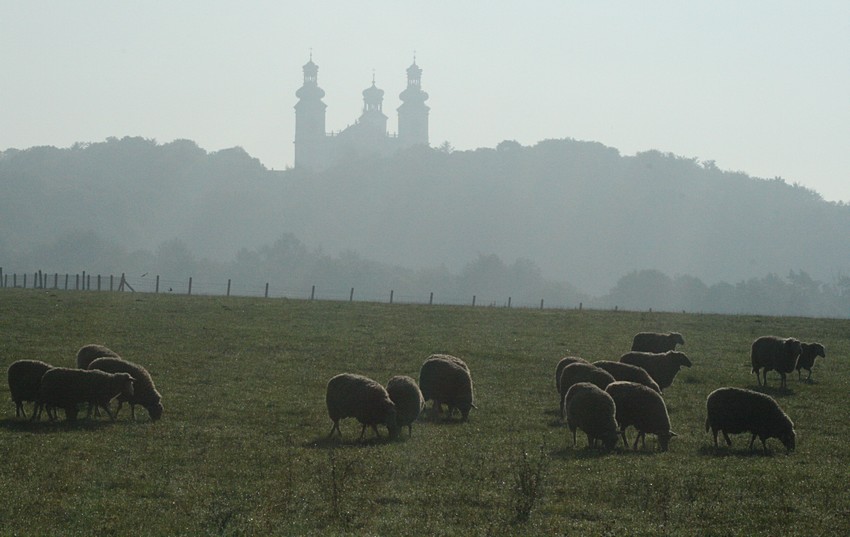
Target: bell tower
point(310, 120)
point(413, 112)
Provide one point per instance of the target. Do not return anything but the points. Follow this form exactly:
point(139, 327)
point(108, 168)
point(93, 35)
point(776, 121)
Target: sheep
point(631, 373)
point(582, 372)
point(808, 353)
point(772, 352)
point(355, 396)
point(407, 396)
point(662, 367)
point(656, 342)
point(593, 411)
point(737, 410)
point(562, 363)
point(65, 388)
point(446, 379)
point(644, 408)
point(87, 353)
point(24, 381)
point(144, 391)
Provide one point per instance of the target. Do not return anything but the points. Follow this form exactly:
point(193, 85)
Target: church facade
point(317, 149)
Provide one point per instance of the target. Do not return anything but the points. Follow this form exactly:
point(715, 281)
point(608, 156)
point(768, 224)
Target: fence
point(154, 284)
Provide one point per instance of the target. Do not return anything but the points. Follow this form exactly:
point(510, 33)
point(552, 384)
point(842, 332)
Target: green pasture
point(242, 449)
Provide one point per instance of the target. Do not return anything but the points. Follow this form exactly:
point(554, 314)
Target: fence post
point(1, 278)
point(509, 302)
point(25, 280)
point(431, 300)
point(267, 289)
point(313, 293)
point(473, 301)
point(190, 285)
point(84, 280)
point(228, 286)
point(111, 282)
point(391, 296)
point(351, 295)
point(541, 303)
point(98, 282)
point(56, 280)
point(66, 281)
point(157, 284)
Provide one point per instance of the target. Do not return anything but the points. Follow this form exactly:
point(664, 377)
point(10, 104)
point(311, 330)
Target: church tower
point(310, 120)
point(373, 121)
point(413, 112)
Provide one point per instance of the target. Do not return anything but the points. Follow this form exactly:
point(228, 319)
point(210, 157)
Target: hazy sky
point(757, 86)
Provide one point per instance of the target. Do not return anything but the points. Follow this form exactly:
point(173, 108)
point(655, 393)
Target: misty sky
point(758, 86)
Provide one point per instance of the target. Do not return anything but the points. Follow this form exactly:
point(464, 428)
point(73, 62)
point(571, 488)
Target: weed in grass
point(529, 473)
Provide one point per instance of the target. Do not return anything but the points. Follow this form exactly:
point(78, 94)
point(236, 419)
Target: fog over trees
point(566, 221)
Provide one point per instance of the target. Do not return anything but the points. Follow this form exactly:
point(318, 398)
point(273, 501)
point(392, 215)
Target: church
point(317, 149)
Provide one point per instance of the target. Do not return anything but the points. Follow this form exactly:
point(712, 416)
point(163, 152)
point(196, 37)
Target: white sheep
point(88, 353)
point(408, 399)
point(355, 396)
point(582, 372)
point(447, 379)
point(144, 391)
point(644, 408)
point(593, 411)
point(628, 372)
point(562, 363)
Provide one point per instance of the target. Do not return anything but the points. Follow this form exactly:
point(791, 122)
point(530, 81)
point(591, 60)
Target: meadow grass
point(242, 449)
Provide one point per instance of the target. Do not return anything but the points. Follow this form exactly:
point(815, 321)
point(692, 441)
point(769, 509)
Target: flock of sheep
point(602, 398)
point(100, 376)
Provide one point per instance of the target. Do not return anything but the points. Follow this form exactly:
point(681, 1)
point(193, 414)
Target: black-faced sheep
point(88, 353)
point(662, 367)
point(593, 411)
point(446, 379)
point(736, 410)
point(808, 353)
point(408, 400)
point(67, 388)
point(657, 342)
point(628, 372)
point(562, 363)
point(771, 352)
point(24, 382)
point(144, 391)
point(355, 396)
point(644, 408)
point(583, 372)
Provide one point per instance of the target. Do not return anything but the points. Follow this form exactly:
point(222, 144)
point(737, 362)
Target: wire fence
point(149, 283)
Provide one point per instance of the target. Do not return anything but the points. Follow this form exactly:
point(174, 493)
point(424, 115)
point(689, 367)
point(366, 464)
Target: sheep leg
point(623, 432)
point(36, 411)
point(362, 432)
point(435, 410)
point(377, 433)
point(728, 440)
point(335, 428)
point(752, 440)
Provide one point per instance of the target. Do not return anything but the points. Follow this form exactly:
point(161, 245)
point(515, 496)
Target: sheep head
point(680, 359)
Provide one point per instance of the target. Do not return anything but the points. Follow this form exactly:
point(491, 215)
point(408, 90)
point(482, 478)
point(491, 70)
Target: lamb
point(24, 382)
point(446, 379)
point(662, 367)
point(593, 411)
point(582, 372)
point(737, 410)
point(657, 342)
point(628, 372)
point(644, 408)
point(407, 396)
point(355, 396)
point(772, 352)
point(808, 353)
point(88, 353)
point(66, 388)
point(562, 363)
point(144, 391)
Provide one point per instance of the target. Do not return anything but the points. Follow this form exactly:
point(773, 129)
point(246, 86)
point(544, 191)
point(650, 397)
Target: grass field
point(242, 450)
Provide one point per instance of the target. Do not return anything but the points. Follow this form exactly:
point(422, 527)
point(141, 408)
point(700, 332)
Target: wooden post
point(111, 282)
point(431, 300)
point(98, 282)
point(157, 284)
point(15, 279)
point(473, 301)
point(190, 285)
point(1, 278)
point(313, 293)
point(267, 289)
point(66, 281)
point(579, 306)
point(509, 302)
point(25, 280)
point(351, 295)
point(391, 296)
point(56, 280)
point(228, 286)
point(88, 282)
point(84, 280)
point(541, 303)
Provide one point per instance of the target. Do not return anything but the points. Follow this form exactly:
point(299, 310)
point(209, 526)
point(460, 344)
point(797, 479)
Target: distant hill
point(580, 211)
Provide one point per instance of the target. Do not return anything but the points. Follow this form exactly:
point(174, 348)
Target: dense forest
point(566, 221)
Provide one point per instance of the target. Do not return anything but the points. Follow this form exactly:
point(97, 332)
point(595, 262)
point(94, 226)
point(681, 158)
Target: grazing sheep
point(736, 410)
point(355, 396)
point(144, 391)
point(591, 410)
point(771, 352)
point(644, 408)
point(628, 372)
point(662, 367)
point(408, 400)
point(87, 353)
point(446, 379)
point(24, 382)
point(66, 388)
point(582, 372)
point(657, 342)
point(562, 363)
point(808, 353)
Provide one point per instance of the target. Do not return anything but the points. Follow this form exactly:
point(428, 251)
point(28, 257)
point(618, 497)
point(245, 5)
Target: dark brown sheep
point(644, 408)
point(88, 353)
point(67, 388)
point(662, 367)
point(736, 410)
point(144, 391)
point(593, 411)
point(25, 381)
point(771, 352)
point(408, 400)
point(355, 396)
point(446, 379)
point(656, 341)
point(628, 372)
point(808, 353)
